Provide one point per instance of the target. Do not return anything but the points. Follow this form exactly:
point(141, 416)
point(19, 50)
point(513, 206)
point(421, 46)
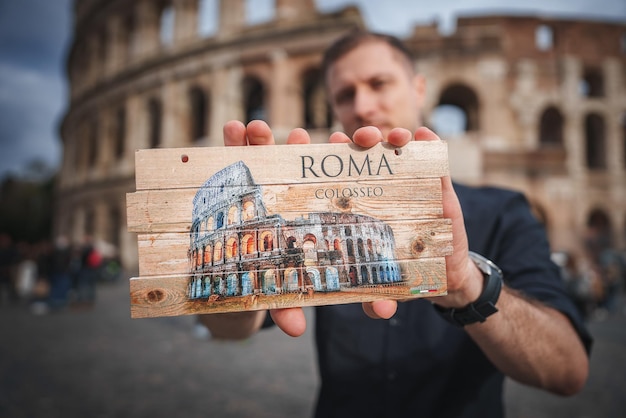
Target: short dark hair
point(358, 37)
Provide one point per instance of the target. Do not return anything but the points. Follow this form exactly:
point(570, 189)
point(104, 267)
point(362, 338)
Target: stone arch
point(89, 226)
point(599, 231)
point(218, 285)
point(217, 252)
point(247, 283)
point(353, 276)
point(232, 285)
point(624, 230)
point(317, 114)
point(92, 143)
point(551, 127)
point(233, 215)
point(331, 275)
point(207, 17)
point(350, 247)
point(310, 238)
point(198, 255)
point(254, 99)
point(199, 113)
point(231, 247)
point(592, 83)
point(206, 291)
point(623, 128)
point(115, 226)
point(458, 105)
point(269, 282)
point(266, 241)
point(248, 210)
point(119, 133)
point(595, 141)
point(167, 17)
point(308, 246)
point(208, 251)
point(360, 247)
point(155, 115)
point(247, 244)
point(364, 275)
point(291, 279)
point(219, 222)
point(544, 37)
point(375, 278)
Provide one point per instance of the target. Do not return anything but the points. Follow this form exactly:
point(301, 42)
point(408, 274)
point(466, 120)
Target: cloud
point(34, 38)
point(30, 106)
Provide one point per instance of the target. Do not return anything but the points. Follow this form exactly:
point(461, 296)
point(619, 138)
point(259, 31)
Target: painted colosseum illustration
point(238, 249)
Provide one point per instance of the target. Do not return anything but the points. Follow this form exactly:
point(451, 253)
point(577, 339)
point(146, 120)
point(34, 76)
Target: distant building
point(540, 103)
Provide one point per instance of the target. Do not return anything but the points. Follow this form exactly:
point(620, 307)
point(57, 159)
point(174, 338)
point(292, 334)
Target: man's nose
point(364, 103)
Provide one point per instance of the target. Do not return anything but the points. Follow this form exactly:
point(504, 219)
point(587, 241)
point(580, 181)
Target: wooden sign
point(247, 228)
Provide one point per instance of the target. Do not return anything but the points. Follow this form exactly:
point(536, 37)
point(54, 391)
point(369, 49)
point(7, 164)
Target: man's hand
point(243, 324)
point(464, 279)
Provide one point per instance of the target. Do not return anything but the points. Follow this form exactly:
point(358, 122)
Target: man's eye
point(378, 84)
point(344, 97)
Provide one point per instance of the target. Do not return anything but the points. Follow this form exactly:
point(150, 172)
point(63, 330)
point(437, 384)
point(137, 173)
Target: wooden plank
point(291, 164)
point(169, 296)
point(170, 210)
point(162, 254)
point(299, 225)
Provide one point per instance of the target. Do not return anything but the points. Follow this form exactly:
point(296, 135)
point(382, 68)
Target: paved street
point(100, 363)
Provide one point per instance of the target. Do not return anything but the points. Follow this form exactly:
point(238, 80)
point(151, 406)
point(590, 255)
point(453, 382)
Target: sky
point(35, 36)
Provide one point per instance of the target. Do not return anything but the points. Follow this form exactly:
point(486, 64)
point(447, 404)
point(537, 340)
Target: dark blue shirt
point(418, 365)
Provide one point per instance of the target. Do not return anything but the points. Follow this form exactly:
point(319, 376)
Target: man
point(417, 363)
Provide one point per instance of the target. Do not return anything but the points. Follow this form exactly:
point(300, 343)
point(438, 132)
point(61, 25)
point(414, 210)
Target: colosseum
point(237, 249)
point(530, 103)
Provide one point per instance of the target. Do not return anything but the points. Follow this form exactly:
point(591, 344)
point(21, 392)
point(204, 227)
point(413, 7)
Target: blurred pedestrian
point(8, 262)
point(90, 262)
point(59, 273)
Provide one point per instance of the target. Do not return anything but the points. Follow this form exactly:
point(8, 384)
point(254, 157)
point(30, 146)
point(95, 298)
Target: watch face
point(484, 264)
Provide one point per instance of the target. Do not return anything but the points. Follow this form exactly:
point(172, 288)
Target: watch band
point(485, 305)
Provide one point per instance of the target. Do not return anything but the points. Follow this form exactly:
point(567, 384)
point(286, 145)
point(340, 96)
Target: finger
point(234, 133)
point(425, 134)
point(380, 309)
point(367, 136)
point(290, 320)
point(399, 137)
point(298, 136)
point(338, 138)
point(259, 133)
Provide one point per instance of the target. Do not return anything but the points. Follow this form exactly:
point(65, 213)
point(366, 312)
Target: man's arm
point(533, 344)
point(526, 340)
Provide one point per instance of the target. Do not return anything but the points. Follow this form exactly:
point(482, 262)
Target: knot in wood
point(418, 246)
point(343, 203)
point(156, 295)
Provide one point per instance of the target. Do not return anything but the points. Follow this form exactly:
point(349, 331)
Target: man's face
point(372, 86)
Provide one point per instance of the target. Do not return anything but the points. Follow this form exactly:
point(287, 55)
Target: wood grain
point(325, 191)
point(167, 295)
point(282, 164)
point(167, 253)
point(170, 210)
